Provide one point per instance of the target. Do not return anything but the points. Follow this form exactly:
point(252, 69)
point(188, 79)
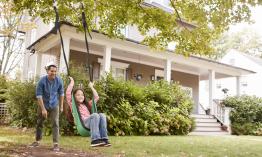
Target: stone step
point(205, 120)
point(208, 133)
point(211, 124)
point(203, 116)
point(208, 128)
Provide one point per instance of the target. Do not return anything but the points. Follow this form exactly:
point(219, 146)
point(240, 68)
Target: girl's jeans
point(97, 125)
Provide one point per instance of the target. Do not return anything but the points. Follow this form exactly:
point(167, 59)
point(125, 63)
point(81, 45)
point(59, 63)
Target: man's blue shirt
point(49, 91)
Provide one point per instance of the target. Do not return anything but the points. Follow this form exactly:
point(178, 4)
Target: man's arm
point(42, 106)
point(39, 96)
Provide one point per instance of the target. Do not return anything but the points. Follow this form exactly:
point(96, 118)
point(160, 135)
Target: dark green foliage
point(246, 114)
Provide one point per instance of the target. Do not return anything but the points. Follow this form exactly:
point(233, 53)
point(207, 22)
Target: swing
point(82, 130)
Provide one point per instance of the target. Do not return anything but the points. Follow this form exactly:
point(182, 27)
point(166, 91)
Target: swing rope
point(83, 131)
point(57, 27)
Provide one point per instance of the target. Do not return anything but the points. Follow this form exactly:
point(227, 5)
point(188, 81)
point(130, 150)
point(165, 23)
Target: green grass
point(154, 146)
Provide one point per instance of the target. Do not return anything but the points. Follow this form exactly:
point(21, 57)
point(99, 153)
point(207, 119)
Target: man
point(48, 90)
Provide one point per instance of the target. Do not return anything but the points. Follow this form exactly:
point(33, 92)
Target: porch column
point(211, 74)
point(167, 70)
point(62, 64)
point(107, 60)
point(38, 64)
point(238, 86)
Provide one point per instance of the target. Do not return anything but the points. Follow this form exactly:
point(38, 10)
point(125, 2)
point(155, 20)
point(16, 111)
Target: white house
point(250, 84)
point(127, 59)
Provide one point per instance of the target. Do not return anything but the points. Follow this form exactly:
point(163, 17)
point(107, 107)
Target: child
point(95, 122)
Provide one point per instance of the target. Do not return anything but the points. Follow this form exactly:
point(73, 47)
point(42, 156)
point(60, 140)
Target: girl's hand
point(91, 84)
point(71, 78)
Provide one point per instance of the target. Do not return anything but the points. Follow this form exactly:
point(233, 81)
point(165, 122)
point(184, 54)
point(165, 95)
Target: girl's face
point(79, 96)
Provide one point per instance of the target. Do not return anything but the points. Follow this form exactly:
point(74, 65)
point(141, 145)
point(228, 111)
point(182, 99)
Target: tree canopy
point(12, 33)
point(245, 41)
point(212, 17)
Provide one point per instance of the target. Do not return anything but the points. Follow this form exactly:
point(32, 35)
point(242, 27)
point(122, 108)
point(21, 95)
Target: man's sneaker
point(34, 144)
point(56, 148)
point(97, 143)
point(107, 143)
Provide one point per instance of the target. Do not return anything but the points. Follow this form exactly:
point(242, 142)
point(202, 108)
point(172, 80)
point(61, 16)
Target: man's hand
point(44, 113)
point(61, 109)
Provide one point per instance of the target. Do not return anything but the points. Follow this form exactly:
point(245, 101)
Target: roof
point(253, 58)
point(52, 31)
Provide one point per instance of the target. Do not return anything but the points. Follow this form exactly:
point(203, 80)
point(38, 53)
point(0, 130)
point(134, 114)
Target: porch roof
point(192, 64)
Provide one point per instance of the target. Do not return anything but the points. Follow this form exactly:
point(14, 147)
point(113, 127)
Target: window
point(159, 74)
point(188, 90)
point(118, 69)
point(119, 73)
point(124, 31)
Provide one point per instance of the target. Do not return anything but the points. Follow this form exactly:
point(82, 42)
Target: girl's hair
point(77, 89)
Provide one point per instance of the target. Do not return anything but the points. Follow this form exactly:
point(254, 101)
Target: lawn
point(149, 146)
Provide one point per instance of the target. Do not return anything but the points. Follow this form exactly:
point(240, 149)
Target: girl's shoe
point(97, 143)
point(107, 143)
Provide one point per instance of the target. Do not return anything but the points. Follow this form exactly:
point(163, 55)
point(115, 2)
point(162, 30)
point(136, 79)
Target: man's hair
point(50, 66)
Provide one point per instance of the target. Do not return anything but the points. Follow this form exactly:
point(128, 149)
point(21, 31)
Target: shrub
point(21, 103)
point(157, 109)
point(246, 114)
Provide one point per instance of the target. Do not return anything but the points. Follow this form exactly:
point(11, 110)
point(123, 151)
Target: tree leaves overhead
point(212, 17)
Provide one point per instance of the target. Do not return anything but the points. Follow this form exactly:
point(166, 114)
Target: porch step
point(201, 124)
point(205, 120)
point(203, 116)
point(207, 125)
point(202, 133)
point(208, 128)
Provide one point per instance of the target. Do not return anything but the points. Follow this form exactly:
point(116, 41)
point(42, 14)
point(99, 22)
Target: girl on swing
point(95, 122)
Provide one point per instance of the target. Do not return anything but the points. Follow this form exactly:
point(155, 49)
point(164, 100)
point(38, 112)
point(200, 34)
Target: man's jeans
point(54, 116)
point(97, 125)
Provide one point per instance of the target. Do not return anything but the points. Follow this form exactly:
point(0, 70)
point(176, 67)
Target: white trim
point(167, 70)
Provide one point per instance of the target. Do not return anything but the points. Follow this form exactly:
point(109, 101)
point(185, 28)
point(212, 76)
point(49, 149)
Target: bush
point(246, 114)
point(157, 109)
point(22, 106)
point(21, 103)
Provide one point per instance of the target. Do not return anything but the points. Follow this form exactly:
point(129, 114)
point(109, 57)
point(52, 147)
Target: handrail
point(203, 108)
point(218, 111)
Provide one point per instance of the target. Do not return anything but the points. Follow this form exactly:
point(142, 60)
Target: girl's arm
point(69, 93)
point(95, 94)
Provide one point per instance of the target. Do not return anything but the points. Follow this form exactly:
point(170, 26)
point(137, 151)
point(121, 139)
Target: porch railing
point(221, 113)
point(3, 110)
point(218, 110)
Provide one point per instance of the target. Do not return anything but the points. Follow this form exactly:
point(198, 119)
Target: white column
point(38, 64)
point(107, 60)
point(167, 70)
point(238, 86)
point(211, 74)
point(227, 119)
point(62, 64)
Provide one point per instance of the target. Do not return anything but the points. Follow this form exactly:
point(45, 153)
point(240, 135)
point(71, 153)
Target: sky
point(256, 17)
